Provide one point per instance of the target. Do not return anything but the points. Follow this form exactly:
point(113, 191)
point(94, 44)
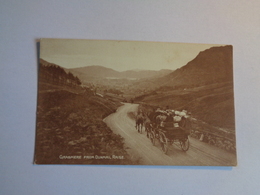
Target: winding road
point(140, 148)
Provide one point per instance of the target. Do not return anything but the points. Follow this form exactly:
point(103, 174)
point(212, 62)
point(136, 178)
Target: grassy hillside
point(212, 108)
point(213, 103)
point(213, 65)
point(71, 124)
point(203, 86)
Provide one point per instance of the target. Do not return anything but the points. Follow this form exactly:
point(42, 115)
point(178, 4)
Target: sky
point(119, 55)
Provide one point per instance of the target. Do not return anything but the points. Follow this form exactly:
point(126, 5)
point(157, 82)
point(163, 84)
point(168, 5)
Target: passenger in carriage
point(180, 118)
point(158, 119)
point(182, 123)
point(186, 123)
point(176, 118)
point(163, 118)
point(152, 114)
point(169, 117)
point(154, 117)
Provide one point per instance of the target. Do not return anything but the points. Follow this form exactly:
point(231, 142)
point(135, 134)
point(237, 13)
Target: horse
point(139, 123)
point(147, 126)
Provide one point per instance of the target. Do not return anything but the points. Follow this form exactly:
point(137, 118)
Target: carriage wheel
point(152, 137)
point(164, 143)
point(185, 144)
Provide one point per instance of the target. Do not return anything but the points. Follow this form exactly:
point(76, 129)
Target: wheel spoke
point(164, 142)
point(185, 144)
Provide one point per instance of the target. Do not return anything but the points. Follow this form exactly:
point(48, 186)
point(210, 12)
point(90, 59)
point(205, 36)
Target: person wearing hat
point(153, 115)
point(159, 118)
point(169, 117)
point(158, 109)
point(186, 123)
point(168, 122)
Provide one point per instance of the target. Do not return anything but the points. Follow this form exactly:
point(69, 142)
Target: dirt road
point(140, 147)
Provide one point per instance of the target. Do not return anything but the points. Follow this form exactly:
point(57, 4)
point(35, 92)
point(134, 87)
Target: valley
point(72, 104)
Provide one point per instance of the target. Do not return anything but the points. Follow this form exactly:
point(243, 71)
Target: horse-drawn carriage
point(168, 130)
point(169, 135)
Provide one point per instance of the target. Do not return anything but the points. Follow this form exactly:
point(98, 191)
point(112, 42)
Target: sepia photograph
point(130, 97)
point(109, 102)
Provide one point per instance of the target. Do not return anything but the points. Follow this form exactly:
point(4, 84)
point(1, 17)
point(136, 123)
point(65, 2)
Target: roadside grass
point(70, 124)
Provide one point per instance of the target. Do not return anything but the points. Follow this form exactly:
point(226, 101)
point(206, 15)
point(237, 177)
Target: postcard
point(108, 102)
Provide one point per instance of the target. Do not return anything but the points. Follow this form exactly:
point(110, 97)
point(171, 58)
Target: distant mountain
point(210, 66)
point(145, 73)
point(95, 71)
point(89, 73)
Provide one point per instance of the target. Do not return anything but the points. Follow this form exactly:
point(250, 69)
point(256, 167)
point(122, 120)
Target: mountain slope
point(210, 66)
point(54, 77)
point(204, 86)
